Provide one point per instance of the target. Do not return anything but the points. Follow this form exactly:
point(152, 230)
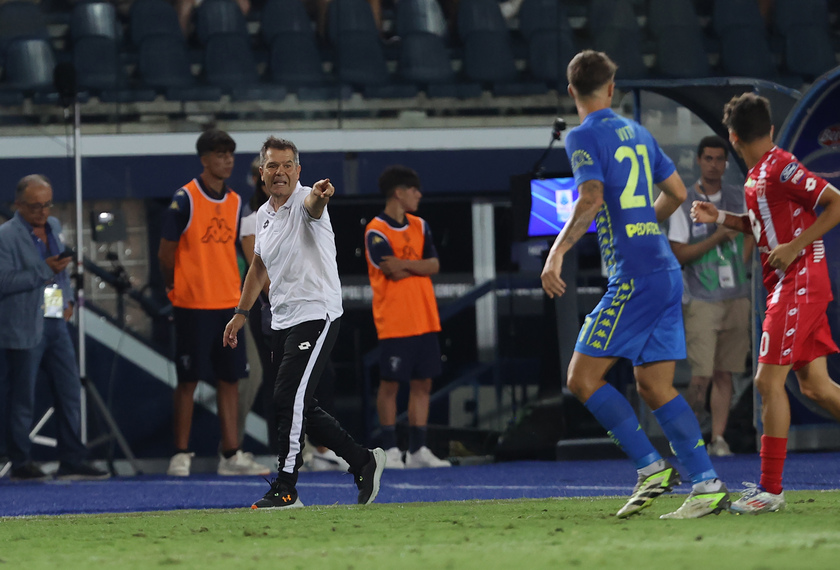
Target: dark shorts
point(199, 351)
point(409, 358)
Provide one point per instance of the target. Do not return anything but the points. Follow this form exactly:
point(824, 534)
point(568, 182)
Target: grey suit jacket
point(23, 275)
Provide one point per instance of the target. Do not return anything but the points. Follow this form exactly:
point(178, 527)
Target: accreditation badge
point(53, 302)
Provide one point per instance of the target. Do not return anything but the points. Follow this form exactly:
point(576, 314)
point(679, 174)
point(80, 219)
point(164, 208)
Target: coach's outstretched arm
point(586, 208)
point(254, 282)
point(318, 199)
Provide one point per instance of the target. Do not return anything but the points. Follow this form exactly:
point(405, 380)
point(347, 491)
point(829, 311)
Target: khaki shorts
point(717, 335)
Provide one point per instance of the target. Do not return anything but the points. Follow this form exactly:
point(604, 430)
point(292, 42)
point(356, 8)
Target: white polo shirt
point(299, 253)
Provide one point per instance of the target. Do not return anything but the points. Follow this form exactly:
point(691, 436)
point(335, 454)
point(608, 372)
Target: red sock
point(773, 452)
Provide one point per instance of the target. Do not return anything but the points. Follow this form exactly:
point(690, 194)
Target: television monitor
point(547, 202)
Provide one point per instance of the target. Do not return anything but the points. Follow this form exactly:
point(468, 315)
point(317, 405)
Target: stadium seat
point(164, 65)
point(744, 46)
point(551, 45)
point(549, 53)
point(229, 64)
point(479, 16)
point(680, 51)
point(284, 16)
point(540, 15)
point(488, 56)
point(99, 70)
point(804, 25)
point(349, 16)
point(219, 17)
point(152, 18)
point(615, 30)
point(19, 19)
point(28, 70)
point(424, 61)
point(424, 16)
point(359, 55)
point(94, 19)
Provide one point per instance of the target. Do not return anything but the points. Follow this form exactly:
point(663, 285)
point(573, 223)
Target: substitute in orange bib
point(401, 257)
point(198, 262)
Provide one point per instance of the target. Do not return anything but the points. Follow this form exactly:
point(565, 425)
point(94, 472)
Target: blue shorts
point(638, 318)
point(409, 358)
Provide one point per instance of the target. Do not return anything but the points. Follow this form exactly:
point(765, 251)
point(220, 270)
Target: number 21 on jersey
point(628, 198)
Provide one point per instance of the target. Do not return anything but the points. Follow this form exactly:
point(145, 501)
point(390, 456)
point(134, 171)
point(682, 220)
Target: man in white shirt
point(716, 303)
point(295, 251)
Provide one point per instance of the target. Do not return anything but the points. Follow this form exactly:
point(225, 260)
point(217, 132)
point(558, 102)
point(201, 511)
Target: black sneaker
point(367, 479)
point(28, 472)
point(280, 496)
point(80, 472)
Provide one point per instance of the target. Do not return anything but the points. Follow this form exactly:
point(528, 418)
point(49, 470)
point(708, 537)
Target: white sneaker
point(179, 465)
point(394, 458)
point(327, 461)
point(755, 500)
point(424, 457)
point(719, 448)
point(241, 463)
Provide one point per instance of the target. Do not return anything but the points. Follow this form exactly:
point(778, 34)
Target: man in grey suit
point(35, 303)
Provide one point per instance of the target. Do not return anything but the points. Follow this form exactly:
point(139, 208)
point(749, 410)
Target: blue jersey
point(626, 158)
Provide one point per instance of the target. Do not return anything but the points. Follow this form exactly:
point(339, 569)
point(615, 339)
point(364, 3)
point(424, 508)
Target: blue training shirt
point(626, 158)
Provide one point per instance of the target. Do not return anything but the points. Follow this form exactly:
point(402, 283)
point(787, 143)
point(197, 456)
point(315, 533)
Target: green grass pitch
point(512, 534)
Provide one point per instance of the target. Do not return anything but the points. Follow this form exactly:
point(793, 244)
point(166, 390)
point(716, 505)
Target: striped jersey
point(781, 195)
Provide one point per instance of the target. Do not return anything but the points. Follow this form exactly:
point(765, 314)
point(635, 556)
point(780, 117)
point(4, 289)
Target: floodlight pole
point(80, 260)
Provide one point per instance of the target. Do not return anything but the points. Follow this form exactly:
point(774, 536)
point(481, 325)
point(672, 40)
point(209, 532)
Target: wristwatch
point(238, 311)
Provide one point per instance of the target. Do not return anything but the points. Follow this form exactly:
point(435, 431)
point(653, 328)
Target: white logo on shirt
point(305, 345)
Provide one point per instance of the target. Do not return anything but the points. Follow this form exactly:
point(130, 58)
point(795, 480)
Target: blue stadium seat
point(152, 18)
point(551, 45)
point(219, 17)
point(164, 65)
point(229, 64)
point(349, 16)
point(804, 25)
point(744, 46)
point(540, 15)
point(615, 29)
point(420, 16)
point(488, 56)
point(479, 16)
point(28, 70)
point(284, 16)
point(680, 50)
point(99, 70)
point(19, 19)
point(549, 53)
point(424, 61)
point(359, 56)
point(94, 19)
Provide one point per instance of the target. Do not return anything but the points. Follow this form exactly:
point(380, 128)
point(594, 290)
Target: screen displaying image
point(552, 203)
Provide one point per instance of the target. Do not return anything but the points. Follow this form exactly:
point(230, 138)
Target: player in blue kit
point(616, 163)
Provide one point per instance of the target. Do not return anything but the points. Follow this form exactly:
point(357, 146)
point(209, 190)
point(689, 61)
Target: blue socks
point(682, 430)
point(615, 413)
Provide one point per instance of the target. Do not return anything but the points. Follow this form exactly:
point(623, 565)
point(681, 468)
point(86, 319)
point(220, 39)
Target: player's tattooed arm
point(590, 200)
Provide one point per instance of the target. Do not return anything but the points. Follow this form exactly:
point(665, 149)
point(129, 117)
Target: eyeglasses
point(38, 206)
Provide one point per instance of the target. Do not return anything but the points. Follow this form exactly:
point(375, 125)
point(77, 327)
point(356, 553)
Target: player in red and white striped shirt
point(781, 195)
